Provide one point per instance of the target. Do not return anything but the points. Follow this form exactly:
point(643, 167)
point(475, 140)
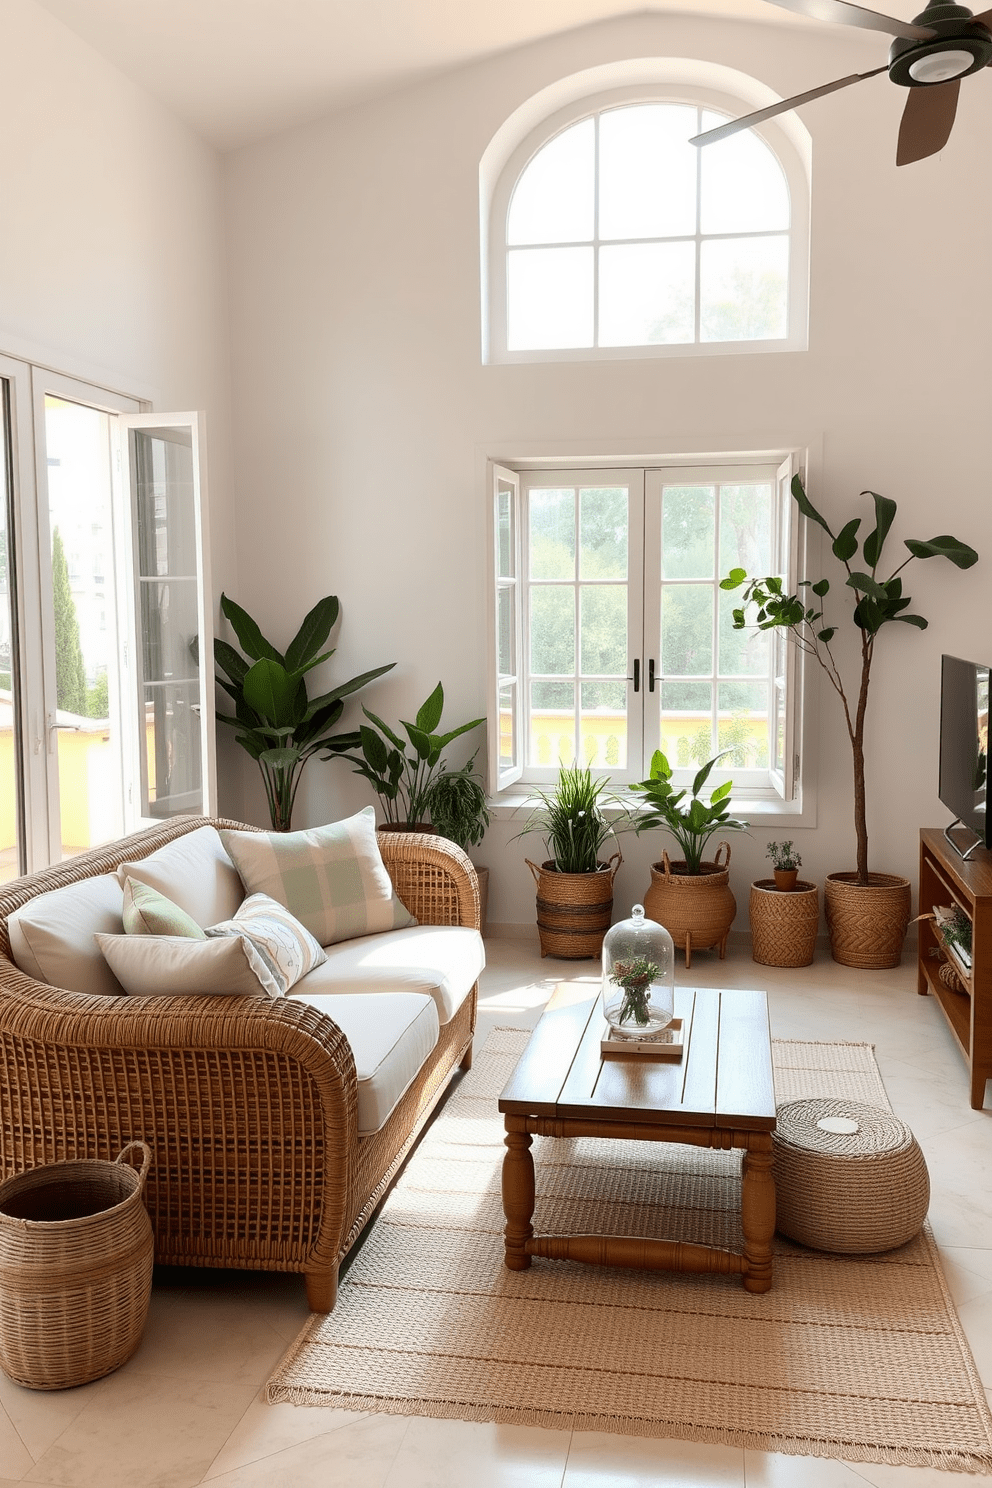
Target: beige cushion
point(442, 960)
point(52, 936)
point(167, 966)
point(147, 912)
point(390, 1037)
point(331, 878)
point(280, 949)
point(195, 872)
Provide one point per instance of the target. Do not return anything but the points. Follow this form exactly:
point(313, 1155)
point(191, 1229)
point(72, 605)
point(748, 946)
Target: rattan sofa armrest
point(435, 879)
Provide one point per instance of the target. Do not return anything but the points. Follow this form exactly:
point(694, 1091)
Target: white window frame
point(774, 135)
point(780, 786)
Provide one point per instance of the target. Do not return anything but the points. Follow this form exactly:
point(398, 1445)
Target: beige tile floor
point(188, 1408)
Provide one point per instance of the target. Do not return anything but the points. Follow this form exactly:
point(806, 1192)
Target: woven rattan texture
point(783, 924)
point(75, 1272)
point(850, 1193)
point(857, 1359)
point(249, 1104)
point(867, 925)
point(574, 910)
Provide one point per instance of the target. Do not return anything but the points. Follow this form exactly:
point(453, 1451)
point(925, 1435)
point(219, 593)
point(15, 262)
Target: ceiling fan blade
point(927, 120)
point(724, 131)
point(841, 13)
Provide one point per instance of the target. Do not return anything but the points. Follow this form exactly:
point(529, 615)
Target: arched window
point(611, 235)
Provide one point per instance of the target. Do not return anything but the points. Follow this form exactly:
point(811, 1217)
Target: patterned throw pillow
point(279, 949)
point(331, 878)
point(147, 912)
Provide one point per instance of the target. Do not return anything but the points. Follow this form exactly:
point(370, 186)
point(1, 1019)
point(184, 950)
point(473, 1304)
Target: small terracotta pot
point(785, 878)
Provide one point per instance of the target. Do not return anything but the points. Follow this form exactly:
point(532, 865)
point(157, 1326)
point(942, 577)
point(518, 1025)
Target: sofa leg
point(322, 1289)
point(466, 1059)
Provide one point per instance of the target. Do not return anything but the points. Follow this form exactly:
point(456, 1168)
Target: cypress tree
point(70, 674)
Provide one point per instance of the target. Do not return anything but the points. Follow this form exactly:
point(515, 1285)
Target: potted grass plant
point(691, 897)
point(574, 885)
point(867, 912)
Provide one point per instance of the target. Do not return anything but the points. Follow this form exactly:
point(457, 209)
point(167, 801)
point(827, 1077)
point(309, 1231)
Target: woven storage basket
point(76, 1253)
point(697, 909)
point(852, 1192)
point(574, 910)
point(784, 923)
point(867, 922)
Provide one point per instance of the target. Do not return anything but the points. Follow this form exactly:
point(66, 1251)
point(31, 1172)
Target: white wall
point(364, 415)
point(112, 247)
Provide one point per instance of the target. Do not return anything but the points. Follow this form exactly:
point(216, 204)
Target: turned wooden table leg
point(758, 1213)
point(518, 1192)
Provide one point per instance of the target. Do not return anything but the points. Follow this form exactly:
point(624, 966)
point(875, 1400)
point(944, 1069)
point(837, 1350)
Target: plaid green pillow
point(147, 912)
point(331, 878)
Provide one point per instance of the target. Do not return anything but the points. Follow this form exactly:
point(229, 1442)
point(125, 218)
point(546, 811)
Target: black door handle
point(651, 675)
point(636, 679)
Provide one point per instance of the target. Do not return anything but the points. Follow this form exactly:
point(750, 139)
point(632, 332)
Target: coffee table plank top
point(556, 1078)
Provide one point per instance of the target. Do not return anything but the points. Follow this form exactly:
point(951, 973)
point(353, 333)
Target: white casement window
point(611, 637)
point(106, 720)
point(611, 235)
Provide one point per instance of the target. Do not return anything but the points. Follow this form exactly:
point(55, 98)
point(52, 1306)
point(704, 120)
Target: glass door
point(12, 844)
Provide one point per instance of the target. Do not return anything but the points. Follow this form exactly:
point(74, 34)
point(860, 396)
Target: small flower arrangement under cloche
point(638, 977)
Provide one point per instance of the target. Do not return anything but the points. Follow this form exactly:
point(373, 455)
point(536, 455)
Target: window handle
point(636, 679)
point(651, 675)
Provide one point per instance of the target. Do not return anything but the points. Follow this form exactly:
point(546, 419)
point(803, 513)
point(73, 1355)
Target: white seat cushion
point(52, 937)
point(194, 872)
point(442, 960)
point(390, 1037)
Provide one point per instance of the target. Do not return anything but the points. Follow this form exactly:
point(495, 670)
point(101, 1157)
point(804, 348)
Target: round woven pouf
point(848, 1177)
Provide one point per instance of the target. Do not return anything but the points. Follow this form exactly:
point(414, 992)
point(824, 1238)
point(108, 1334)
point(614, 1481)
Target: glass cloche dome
point(638, 977)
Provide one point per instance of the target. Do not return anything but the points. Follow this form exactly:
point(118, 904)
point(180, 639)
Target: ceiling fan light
point(940, 67)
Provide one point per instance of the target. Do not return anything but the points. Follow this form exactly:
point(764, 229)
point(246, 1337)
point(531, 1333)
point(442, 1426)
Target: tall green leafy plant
point(693, 821)
point(572, 820)
point(874, 601)
point(402, 772)
point(275, 719)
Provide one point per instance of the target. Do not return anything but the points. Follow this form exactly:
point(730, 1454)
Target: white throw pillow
point(194, 872)
point(51, 936)
point(331, 878)
point(280, 949)
point(171, 966)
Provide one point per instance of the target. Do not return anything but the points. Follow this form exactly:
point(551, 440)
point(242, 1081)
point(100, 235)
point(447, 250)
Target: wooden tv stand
point(946, 879)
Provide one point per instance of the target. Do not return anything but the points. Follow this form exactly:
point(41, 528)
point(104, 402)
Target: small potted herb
point(786, 864)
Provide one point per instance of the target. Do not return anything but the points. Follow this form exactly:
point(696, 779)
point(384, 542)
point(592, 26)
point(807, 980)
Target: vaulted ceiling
point(237, 70)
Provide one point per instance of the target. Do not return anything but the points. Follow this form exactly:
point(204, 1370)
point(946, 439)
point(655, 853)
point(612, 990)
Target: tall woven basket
point(76, 1253)
point(784, 923)
point(867, 922)
point(574, 910)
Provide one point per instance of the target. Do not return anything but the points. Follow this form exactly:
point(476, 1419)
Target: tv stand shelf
point(946, 879)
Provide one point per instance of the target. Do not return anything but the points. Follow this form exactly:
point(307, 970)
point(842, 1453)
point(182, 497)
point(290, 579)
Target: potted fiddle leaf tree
point(691, 897)
point(275, 719)
point(867, 912)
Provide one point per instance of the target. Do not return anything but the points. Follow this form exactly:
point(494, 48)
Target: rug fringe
point(961, 1461)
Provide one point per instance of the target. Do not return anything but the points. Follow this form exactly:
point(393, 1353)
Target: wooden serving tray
point(673, 1048)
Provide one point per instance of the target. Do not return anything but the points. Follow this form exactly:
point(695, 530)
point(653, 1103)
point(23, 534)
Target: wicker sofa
point(249, 1104)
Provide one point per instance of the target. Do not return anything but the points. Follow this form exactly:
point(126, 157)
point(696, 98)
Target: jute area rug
point(861, 1358)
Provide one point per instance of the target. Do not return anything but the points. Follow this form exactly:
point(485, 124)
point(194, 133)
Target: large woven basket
point(784, 923)
point(867, 922)
point(574, 910)
point(76, 1253)
point(697, 909)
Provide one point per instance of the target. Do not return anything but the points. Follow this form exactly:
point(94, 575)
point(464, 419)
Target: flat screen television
point(964, 749)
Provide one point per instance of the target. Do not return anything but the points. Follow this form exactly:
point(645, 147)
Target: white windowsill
point(514, 804)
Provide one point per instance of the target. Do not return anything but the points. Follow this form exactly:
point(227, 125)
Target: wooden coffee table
point(720, 1094)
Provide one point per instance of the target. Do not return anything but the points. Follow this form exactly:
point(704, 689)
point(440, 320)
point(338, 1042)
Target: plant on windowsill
point(691, 897)
point(403, 772)
point(867, 913)
point(278, 724)
point(574, 888)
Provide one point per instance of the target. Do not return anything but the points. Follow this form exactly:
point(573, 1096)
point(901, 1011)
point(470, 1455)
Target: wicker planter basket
point(76, 1252)
point(574, 910)
point(867, 922)
point(784, 923)
point(697, 909)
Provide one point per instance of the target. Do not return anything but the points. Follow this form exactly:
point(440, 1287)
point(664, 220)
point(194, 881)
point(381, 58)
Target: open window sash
point(167, 662)
point(505, 724)
point(783, 772)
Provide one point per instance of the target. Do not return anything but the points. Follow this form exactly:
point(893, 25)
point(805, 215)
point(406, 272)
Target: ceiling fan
point(930, 56)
